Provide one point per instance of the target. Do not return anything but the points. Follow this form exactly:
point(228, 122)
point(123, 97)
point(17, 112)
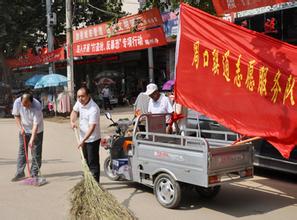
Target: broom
point(90, 201)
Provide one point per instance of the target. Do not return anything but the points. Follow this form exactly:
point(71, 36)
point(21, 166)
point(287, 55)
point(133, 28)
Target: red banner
point(227, 6)
point(242, 79)
point(144, 20)
point(26, 60)
point(122, 43)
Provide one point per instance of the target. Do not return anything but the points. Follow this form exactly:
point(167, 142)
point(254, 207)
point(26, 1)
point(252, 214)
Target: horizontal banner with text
point(23, 61)
point(146, 19)
point(122, 43)
point(228, 6)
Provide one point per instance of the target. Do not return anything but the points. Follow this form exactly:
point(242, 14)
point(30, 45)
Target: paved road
point(268, 196)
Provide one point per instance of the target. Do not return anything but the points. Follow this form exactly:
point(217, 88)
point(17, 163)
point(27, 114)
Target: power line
point(103, 11)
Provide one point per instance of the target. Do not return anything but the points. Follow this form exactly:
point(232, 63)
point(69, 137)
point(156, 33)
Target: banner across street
point(122, 43)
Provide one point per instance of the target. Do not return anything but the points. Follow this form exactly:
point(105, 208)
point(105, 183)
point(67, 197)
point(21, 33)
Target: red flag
point(227, 6)
point(242, 79)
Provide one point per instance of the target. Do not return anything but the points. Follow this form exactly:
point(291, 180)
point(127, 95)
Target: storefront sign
point(122, 43)
point(228, 6)
point(23, 61)
point(266, 9)
point(147, 19)
point(170, 20)
point(243, 79)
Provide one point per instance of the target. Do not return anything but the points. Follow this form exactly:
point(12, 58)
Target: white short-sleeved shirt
point(163, 105)
point(88, 114)
point(142, 102)
point(106, 92)
point(29, 116)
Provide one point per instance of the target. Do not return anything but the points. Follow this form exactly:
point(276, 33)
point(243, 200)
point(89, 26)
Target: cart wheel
point(167, 191)
point(208, 193)
point(108, 170)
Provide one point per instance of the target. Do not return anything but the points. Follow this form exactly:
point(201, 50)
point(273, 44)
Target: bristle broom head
point(90, 201)
point(35, 181)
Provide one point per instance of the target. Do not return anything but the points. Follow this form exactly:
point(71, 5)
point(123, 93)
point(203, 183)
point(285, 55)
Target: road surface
point(269, 195)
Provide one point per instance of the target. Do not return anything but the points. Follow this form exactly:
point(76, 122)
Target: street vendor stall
point(53, 96)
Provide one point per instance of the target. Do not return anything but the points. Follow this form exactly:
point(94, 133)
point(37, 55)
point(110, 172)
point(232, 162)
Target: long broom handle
point(78, 141)
point(247, 140)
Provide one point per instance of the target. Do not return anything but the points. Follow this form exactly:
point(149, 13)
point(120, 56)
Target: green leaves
point(82, 1)
point(20, 22)
point(23, 22)
point(205, 5)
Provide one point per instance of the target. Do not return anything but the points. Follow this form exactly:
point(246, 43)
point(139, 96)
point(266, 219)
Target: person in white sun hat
point(158, 103)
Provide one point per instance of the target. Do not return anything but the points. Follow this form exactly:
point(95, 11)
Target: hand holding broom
point(78, 142)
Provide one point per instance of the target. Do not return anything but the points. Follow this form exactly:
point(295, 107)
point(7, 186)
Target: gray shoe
point(18, 177)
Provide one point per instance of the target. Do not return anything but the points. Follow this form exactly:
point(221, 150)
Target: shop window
point(290, 26)
point(281, 25)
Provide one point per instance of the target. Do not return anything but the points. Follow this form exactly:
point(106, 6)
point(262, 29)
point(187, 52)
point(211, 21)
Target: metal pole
point(69, 41)
point(151, 64)
point(282, 24)
point(50, 37)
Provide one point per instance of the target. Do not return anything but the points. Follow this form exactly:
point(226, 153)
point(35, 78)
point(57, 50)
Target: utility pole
point(151, 65)
point(51, 20)
point(69, 44)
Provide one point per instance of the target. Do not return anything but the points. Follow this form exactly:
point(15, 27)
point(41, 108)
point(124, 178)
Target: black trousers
point(91, 154)
point(107, 104)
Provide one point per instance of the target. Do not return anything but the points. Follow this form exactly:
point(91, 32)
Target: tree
point(23, 22)
point(205, 5)
point(22, 25)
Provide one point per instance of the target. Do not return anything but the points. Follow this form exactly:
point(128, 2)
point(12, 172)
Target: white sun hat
point(151, 88)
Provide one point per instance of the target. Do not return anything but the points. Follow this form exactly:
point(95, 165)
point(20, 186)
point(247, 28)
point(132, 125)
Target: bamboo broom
point(90, 201)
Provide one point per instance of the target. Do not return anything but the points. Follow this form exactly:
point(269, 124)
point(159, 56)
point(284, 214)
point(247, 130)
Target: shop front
point(124, 73)
point(122, 55)
point(279, 22)
point(128, 71)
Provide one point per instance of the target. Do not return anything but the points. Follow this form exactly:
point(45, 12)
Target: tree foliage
point(205, 5)
point(23, 22)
